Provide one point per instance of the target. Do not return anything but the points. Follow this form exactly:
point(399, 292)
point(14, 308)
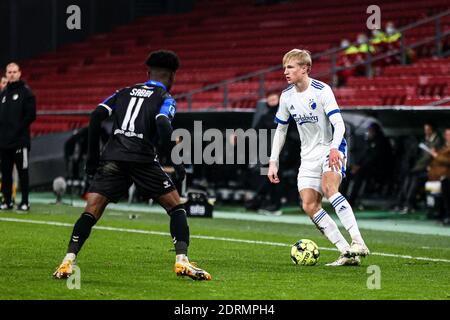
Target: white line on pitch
point(279, 244)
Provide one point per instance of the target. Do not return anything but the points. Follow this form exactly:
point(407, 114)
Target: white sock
point(181, 258)
point(328, 227)
point(345, 213)
point(70, 256)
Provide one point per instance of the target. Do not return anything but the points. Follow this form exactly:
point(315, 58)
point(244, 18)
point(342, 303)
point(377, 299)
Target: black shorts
point(114, 178)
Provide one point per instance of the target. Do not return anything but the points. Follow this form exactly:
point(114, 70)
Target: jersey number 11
point(130, 117)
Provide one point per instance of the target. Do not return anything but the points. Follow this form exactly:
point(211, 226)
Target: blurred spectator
point(392, 34)
point(418, 175)
point(268, 196)
point(364, 45)
point(378, 38)
point(364, 49)
point(3, 83)
point(439, 170)
point(17, 112)
point(378, 41)
point(345, 59)
point(392, 44)
point(373, 168)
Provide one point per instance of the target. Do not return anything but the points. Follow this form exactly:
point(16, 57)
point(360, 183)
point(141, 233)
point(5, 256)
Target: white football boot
point(344, 261)
point(357, 249)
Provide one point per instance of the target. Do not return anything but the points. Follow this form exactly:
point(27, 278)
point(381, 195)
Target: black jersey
point(134, 110)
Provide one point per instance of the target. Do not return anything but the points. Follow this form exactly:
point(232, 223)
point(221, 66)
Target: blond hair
point(302, 57)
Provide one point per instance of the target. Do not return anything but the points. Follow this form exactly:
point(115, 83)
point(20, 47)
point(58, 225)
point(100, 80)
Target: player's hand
point(273, 172)
point(180, 172)
point(335, 161)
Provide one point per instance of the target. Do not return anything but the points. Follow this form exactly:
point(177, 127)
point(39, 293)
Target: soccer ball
point(59, 188)
point(305, 252)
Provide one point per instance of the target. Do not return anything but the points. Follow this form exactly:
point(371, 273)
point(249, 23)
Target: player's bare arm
point(335, 158)
point(277, 144)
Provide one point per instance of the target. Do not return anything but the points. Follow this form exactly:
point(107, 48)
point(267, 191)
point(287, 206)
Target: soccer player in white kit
point(311, 104)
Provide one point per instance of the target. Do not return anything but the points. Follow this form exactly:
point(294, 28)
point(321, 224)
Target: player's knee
point(94, 211)
point(178, 209)
point(310, 207)
point(329, 189)
point(96, 204)
point(169, 200)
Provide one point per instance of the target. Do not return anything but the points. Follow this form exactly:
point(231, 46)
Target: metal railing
point(260, 75)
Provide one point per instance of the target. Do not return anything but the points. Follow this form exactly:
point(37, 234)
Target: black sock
point(81, 232)
point(179, 229)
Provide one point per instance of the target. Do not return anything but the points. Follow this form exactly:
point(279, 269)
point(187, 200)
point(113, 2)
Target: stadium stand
point(420, 84)
point(221, 40)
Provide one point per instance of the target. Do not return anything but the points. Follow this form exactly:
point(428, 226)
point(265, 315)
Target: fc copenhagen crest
point(312, 104)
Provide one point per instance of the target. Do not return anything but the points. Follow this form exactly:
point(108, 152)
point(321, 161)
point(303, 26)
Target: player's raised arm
point(334, 114)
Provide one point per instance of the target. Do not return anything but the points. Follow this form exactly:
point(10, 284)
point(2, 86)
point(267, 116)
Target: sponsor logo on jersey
point(15, 97)
point(166, 184)
point(4, 100)
point(305, 119)
point(141, 93)
point(129, 133)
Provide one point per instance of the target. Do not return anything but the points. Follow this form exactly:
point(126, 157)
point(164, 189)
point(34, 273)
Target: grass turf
point(124, 265)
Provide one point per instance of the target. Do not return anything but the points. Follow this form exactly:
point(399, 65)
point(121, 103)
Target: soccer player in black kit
point(142, 116)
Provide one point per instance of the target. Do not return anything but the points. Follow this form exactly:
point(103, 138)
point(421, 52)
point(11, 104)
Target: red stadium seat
point(223, 39)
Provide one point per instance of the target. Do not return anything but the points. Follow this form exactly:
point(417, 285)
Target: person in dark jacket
point(376, 161)
point(17, 112)
point(418, 174)
point(264, 187)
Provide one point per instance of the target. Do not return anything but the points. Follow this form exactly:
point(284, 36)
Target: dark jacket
point(17, 112)
point(378, 155)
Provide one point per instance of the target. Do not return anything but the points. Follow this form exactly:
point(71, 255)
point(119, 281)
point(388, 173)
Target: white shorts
point(311, 171)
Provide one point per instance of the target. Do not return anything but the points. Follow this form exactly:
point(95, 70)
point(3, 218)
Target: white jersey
point(311, 110)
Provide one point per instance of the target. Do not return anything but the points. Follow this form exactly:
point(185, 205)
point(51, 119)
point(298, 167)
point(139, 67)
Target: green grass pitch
point(122, 263)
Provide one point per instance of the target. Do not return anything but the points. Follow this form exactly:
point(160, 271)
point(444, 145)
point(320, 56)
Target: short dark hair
point(432, 124)
point(12, 63)
point(164, 59)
